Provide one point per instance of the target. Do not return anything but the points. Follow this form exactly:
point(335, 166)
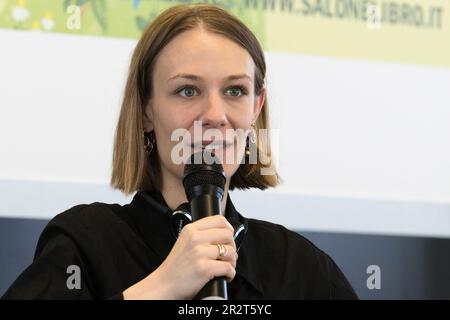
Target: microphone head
point(203, 170)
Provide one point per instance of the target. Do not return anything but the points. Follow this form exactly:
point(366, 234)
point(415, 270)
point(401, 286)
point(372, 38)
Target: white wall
point(372, 131)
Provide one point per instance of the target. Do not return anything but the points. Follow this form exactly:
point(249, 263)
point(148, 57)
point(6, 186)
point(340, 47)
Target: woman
point(195, 67)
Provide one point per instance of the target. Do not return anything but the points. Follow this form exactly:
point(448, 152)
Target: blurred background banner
point(408, 31)
point(359, 96)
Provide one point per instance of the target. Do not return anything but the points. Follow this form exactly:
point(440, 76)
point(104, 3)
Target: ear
point(259, 102)
point(147, 121)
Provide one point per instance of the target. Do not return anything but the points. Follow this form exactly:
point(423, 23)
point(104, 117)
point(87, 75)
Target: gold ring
point(222, 250)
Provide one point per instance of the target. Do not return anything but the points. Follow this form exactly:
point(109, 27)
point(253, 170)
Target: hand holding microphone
point(194, 267)
point(204, 185)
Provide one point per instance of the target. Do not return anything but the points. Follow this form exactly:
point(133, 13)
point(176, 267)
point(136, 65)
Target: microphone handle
point(216, 289)
point(205, 205)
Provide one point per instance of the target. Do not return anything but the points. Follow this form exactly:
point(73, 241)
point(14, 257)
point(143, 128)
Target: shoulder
point(88, 217)
point(87, 214)
point(269, 232)
point(289, 246)
point(283, 243)
point(85, 224)
point(84, 236)
point(295, 257)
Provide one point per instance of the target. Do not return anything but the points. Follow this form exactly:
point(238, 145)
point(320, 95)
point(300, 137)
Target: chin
point(230, 170)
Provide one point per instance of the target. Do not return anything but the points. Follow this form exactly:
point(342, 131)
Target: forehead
point(201, 52)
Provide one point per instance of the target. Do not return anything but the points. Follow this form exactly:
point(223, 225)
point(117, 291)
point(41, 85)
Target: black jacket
point(116, 246)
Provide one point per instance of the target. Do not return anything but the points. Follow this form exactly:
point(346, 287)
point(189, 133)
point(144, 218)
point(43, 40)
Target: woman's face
point(194, 84)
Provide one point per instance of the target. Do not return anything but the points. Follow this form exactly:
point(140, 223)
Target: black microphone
point(204, 183)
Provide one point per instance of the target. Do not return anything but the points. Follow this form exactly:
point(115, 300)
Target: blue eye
point(188, 90)
point(239, 90)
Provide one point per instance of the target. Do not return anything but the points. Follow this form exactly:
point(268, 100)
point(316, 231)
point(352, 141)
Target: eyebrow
point(195, 77)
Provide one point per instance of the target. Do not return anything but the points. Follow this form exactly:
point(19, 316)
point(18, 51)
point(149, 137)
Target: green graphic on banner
point(108, 18)
point(404, 31)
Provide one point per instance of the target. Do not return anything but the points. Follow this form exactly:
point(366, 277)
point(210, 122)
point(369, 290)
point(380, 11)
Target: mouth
point(210, 145)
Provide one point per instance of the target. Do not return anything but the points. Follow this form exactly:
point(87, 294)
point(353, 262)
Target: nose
point(214, 115)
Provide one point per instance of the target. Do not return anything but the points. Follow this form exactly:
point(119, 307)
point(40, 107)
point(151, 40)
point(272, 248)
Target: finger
point(213, 252)
point(221, 269)
point(214, 236)
point(216, 221)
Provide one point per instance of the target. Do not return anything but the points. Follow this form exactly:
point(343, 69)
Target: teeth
point(213, 145)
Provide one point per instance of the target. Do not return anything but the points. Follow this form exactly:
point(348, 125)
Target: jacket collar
point(152, 219)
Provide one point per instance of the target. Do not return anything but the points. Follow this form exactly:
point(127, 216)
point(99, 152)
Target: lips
point(211, 145)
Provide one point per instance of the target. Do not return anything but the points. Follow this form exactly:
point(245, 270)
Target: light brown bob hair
point(134, 170)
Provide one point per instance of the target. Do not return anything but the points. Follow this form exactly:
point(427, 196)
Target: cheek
point(241, 117)
point(233, 160)
point(167, 119)
point(166, 122)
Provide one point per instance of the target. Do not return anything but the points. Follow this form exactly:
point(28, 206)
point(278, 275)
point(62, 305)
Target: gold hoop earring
point(253, 134)
point(149, 141)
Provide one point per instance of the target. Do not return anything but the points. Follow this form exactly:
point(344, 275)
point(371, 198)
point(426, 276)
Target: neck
point(173, 193)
